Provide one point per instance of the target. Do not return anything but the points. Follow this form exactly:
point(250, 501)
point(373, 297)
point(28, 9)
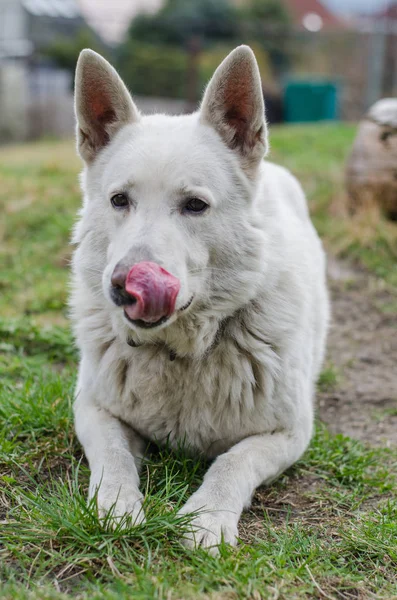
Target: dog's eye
point(195, 205)
point(119, 201)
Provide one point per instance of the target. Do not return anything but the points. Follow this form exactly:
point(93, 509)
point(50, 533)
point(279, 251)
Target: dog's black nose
point(119, 276)
point(117, 291)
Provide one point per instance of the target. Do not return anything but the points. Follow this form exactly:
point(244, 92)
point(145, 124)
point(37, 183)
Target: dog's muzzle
point(147, 292)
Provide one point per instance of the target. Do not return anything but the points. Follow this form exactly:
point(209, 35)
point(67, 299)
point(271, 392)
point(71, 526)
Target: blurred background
point(323, 64)
point(319, 59)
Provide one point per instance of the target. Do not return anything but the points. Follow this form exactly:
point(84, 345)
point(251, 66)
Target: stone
point(371, 169)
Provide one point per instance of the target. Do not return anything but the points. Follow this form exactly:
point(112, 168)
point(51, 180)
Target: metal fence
point(36, 100)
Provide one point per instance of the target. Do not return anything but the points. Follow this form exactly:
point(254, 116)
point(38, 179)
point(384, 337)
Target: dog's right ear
point(102, 104)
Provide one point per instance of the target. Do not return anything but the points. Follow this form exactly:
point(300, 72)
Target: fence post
point(194, 47)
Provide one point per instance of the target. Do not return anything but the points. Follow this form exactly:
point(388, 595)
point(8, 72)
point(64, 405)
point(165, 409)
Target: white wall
point(14, 97)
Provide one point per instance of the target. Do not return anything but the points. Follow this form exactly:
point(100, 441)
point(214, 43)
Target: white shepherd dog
point(199, 298)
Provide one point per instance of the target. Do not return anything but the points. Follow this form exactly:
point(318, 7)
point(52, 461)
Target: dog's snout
point(147, 291)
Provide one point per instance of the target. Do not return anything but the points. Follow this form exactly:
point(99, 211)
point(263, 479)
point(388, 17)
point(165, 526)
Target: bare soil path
point(362, 347)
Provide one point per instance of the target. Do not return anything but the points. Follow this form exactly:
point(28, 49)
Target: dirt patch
point(281, 503)
point(362, 347)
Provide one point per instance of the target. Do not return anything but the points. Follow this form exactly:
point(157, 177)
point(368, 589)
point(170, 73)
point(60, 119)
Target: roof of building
point(390, 11)
point(312, 12)
point(66, 9)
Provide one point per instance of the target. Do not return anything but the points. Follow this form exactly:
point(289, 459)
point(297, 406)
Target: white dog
point(199, 299)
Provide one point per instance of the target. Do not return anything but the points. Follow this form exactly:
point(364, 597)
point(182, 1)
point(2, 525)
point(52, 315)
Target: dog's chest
point(207, 404)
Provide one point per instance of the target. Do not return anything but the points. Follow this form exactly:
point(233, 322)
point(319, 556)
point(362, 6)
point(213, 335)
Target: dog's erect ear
point(233, 104)
point(102, 104)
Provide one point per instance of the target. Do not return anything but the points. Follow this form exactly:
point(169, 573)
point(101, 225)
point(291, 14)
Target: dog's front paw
point(210, 525)
point(115, 504)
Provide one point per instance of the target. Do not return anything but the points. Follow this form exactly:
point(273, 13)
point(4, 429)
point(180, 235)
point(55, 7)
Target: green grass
point(329, 378)
point(326, 529)
point(331, 519)
point(317, 156)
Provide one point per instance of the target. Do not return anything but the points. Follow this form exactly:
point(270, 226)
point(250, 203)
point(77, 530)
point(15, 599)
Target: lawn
point(326, 529)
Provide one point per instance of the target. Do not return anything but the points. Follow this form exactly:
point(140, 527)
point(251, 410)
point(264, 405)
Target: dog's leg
point(113, 451)
point(232, 479)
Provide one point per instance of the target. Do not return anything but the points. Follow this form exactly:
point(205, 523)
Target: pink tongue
point(155, 291)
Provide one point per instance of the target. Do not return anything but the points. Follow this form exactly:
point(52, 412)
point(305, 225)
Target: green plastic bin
point(306, 101)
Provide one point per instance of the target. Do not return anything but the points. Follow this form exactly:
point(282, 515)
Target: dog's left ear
point(233, 105)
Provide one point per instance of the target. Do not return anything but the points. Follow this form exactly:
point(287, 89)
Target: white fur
point(248, 350)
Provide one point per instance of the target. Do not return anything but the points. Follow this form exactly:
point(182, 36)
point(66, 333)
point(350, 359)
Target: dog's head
point(169, 209)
